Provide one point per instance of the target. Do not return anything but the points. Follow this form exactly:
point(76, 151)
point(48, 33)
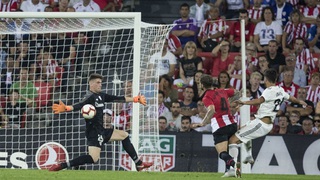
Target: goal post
point(60, 50)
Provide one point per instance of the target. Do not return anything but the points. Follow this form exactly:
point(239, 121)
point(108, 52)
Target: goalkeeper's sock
point(84, 159)
point(227, 158)
point(128, 147)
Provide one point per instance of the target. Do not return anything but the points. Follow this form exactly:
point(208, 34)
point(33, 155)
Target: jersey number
point(277, 104)
point(224, 105)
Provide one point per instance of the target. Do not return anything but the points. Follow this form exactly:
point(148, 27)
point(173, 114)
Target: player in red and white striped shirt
point(313, 90)
point(174, 45)
point(255, 11)
point(287, 84)
point(214, 26)
point(219, 116)
point(293, 29)
point(8, 5)
point(304, 57)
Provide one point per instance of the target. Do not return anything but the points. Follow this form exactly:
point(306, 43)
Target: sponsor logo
point(159, 151)
point(50, 153)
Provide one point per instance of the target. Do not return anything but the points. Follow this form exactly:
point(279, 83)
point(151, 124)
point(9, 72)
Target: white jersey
point(267, 33)
point(273, 97)
point(164, 62)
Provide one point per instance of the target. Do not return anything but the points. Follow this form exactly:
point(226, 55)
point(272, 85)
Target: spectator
point(186, 124)
point(316, 119)
point(255, 90)
point(19, 27)
point(63, 51)
point(188, 106)
point(189, 64)
point(313, 89)
point(304, 112)
point(164, 61)
point(299, 76)
point(174, 45)
point(80, 45)
point(48, 67)
point(197, 89)
point(86, 6)
point(111, 6)
point(8, 5)
point(292, 30)
point(255, 11)
point(263, 66)
point(62, 7)
point(14, 110)
point(174, 117)
point(170, 94)
point(235, 36)
point(107, 119)
point(162, 124)
point(186, 28)
point(161, 107)
point(314, 36)
point(287, 84)
point(235, 73)
point(212, 30)
point(251, 58)
point(9, 75)
point(275, 59)
point(198, 118)
point(25, 88)
point(233, 8)
point(224, 80)
point(199, 11)
point(282, 127)
point(304, 57)
point(24, 58)
point(266, 30)
point(32, 6)
point(310, 10)
point(282, 11)
point(294, 127)
point(221, 59)
point(307, 126)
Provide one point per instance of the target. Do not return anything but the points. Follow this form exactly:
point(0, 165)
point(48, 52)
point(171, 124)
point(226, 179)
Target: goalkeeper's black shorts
point(98, 138)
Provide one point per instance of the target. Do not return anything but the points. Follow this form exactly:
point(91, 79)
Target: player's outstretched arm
point(61, 107)
point(251, 102)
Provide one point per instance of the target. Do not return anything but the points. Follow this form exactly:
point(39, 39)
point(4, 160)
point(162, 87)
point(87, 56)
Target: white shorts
point(254, 129)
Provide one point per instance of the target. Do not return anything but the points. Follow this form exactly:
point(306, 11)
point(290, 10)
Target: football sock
point(234, 151)
point(128, 147)
point(84, 159)
point(227, 158)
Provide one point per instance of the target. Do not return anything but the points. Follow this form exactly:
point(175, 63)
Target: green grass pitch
point(12, 174)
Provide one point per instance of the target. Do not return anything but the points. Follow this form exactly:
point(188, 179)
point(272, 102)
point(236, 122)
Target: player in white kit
point(269, 102)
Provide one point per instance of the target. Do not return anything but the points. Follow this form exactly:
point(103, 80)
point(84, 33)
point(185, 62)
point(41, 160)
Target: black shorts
point(98, 138)
point(224, 133)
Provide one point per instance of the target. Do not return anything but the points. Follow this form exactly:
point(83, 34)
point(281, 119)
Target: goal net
point(47, 57)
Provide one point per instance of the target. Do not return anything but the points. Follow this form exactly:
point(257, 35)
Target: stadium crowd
point(280, 34)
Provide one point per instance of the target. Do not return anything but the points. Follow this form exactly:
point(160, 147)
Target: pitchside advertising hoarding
point(289, 154)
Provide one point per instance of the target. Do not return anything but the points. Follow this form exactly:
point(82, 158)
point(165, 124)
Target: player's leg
point(119, 135)
point(92, 157)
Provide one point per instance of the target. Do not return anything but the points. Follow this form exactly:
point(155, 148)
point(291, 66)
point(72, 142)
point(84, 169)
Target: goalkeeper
point(95, 133)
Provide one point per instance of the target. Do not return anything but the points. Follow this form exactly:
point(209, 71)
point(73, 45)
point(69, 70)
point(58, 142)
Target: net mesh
point(49, 60)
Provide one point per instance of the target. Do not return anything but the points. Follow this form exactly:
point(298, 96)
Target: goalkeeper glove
point(59, 108)
point(140, 99)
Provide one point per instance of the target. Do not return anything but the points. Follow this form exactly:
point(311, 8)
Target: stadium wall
point(288, 154)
